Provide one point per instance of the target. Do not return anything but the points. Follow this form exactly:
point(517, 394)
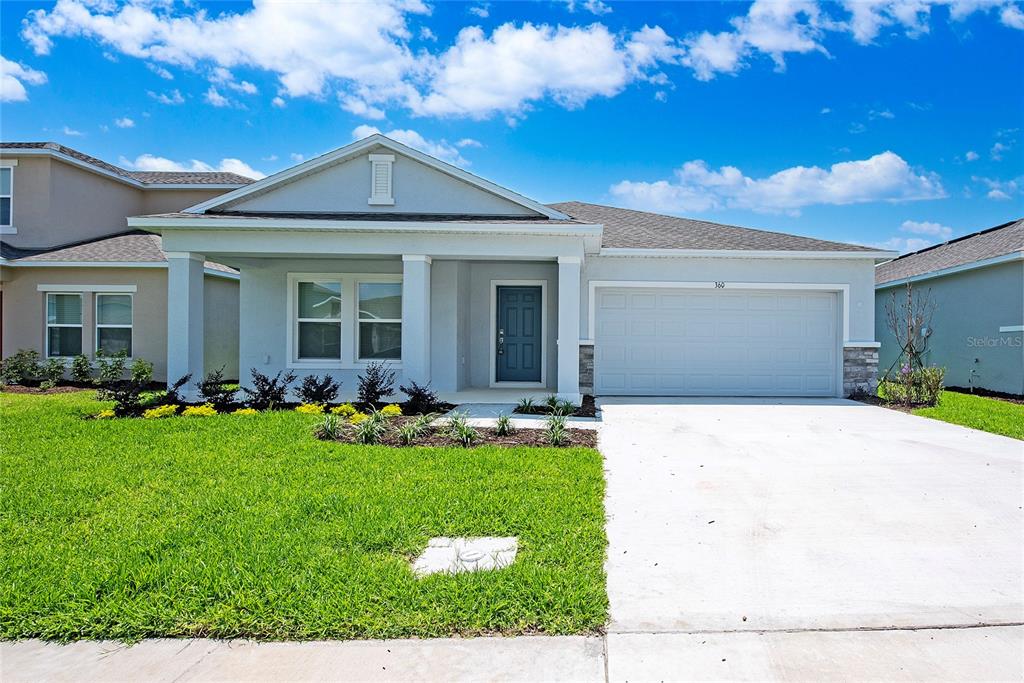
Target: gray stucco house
point(977, 284)
point(378, 252)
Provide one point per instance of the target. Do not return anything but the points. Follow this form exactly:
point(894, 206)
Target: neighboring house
point(376, 251)
point(977, 285)
point(73, 277)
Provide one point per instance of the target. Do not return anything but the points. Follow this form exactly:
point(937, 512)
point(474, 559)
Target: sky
point(892, 123)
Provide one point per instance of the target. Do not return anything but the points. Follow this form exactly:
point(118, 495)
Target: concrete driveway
point(728, 518)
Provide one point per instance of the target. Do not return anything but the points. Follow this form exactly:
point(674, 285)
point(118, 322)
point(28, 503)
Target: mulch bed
point(587, 409)
point(1002, 396)
point(438, 436)
point(19, 389)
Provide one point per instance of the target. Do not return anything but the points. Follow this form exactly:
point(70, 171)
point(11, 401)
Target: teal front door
point(518, 336)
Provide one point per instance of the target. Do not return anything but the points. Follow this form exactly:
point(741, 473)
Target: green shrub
point(551, 401)
point(110, 367)
point(329, 429)
point(917, 387)
point(563, 408)
point(371, 430)
point(81, 369)
point(504, 427)
point(526, 405)
point(215, 391)
point(555, 432)
point(21, 367)
point(52, 372)
point(142, 371)
point(312, 389)
point(376, 382)
point(422, 399)
point(267, 391)
point(411, 431)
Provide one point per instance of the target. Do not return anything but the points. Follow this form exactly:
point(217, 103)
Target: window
point(318, 329)
point(380, 179)
point(6, 196)
point(380, 320)
point(63, 325)
point(114, 323)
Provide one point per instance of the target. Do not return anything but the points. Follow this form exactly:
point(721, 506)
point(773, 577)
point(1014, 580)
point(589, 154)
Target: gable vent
point(380, 179)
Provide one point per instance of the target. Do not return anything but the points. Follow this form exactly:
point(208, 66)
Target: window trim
point(97, 324)
point(8, 228)
point(48, 325)
point(297, 321)
point(349, 320)
point(359, 320)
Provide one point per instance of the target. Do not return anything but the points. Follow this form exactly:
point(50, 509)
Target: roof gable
point(339, 182)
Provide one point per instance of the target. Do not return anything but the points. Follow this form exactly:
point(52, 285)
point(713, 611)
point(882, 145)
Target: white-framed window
point(318, 307)
point(63, 324)
point(381, 179)
point(379, 321)
point(6, 196)
point(114, 323)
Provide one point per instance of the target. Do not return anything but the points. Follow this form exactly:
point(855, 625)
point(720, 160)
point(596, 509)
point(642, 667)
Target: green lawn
point(246, 526)
point(979, 412)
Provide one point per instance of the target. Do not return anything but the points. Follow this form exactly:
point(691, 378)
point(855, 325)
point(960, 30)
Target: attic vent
point(380, 179)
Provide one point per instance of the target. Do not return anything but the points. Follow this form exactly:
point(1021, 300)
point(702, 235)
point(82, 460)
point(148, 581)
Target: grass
point(978, 412)
point(234, 526)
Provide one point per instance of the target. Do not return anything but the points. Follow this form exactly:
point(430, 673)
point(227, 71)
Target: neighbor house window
point(318, 331)
point(113, 323)
point(6, 195)
point(380, 320)
point(63, 325)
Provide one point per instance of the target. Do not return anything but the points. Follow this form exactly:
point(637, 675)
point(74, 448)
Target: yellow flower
point(310, 409)
point(246, 411)
point(160, 411)
point(205, 410)
point(345, 410)
point(393, 410)
point(356, 418)
point(104, 414)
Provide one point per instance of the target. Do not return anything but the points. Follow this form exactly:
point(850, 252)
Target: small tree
point(909, 319)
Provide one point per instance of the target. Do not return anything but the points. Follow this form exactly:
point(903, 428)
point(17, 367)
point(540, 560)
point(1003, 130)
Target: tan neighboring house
point(75, 279)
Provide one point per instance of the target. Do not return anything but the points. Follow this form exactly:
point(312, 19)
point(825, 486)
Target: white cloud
point(869, 17)
point(880, 114)
point(997, 150)
point(272, 157)
point(278, 102)
point(972, 155)
point(296, 157)
point(13, 77)
point(826, 110)
point(1012, 16)
point(469, 142)
point(172, 97)
point(697, 187)
point(222, 76)
point(72, 132)
point(596, 7)
point(481, 11)
point(1001, 190)
point(359, 107)
point(903, 245)
point(427, 34)
point(160, 71)
point(150, 162)
point(937, 230)
point(856, 128)
point(124, 122)
point(213, 97)
point(440, 149)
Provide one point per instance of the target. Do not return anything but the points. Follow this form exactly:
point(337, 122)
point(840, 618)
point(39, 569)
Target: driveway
point(756, 515)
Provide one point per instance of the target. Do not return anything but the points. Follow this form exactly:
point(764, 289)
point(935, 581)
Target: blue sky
point(891, 122)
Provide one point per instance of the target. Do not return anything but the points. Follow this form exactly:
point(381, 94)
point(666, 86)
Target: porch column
point(416, 317)
point(185, 317)
point(569, 328)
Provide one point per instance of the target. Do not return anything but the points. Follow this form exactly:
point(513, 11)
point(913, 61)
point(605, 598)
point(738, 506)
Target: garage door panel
point(744, 343)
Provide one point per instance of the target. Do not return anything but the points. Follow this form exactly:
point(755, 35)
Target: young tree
point(909, 319)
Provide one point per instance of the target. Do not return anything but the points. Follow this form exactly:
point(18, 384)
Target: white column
point(416, 317)
point(185, 316)
point(569, 328)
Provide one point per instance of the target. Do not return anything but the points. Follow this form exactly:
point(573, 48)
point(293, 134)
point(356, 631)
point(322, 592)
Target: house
point(378, 252)
point(976, 283)
point(73, 277)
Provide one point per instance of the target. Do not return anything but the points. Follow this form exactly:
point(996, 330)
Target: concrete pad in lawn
point(807, 514)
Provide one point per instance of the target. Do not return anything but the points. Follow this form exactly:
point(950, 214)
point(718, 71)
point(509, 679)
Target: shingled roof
point(144, 177)
point(1003, 239)
point(627, 228)
point(129, 247)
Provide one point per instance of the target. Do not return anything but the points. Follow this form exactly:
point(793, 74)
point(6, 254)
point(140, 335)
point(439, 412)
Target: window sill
point(8, 230)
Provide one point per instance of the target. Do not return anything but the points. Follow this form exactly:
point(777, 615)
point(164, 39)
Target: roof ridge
point(962, 238)
point(70, 245)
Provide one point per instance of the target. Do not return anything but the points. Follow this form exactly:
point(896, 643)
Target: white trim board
point(984, 263)
point(842, 289)
point(744, 253)
point(492, 347)
point(355, 149)
point(77, 289)
point(1012, 328)
point(212, 272)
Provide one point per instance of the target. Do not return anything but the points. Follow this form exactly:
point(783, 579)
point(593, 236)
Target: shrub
point(411, 431)
point(172, 395)
point(110, 367)
point(526, 405)
point(551, 401)
point(142, 371)
point(126, 395)
point(267, 392)
point(310, 409)
point(465, 434)
point(21, 367)
point(215, 391)
point(555, 432)
point(105, 414)
point(563, 408)
point(345, 410)
point(329, 429)
point(370, 430)
point(920, 386)
point(422, 399)
point(392, 410)
point(376, 383)
point(81, 369)
point(316, 390)
point(52, 372)
point(205, 410)
point(246, 411)
point(168, 410)
point(504, 426)
point(357, 417)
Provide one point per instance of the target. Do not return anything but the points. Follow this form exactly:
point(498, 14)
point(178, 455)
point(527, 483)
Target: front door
point(518, 336)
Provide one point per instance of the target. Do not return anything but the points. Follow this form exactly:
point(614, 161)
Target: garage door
point(713, 342)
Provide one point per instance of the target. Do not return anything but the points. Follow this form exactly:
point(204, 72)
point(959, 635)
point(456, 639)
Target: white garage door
point(715, 342)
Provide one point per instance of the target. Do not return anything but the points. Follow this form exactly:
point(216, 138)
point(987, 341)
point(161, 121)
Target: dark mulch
point(438, 436)
point(1002, 396)
point(587, 409)
point(19, 389)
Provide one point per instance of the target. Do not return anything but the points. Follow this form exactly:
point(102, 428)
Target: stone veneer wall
point(860, 370)
point(586, 369)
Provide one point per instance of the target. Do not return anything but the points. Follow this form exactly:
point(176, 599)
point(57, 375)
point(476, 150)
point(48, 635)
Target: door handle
point(501, 342)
